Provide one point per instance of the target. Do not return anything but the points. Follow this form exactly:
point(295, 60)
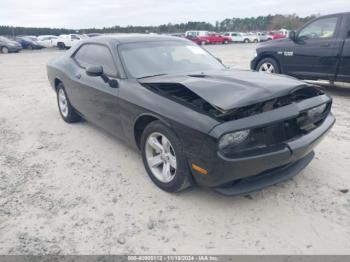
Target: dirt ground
point(73, 189)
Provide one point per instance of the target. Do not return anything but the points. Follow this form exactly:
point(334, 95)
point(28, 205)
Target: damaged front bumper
point(240, 174)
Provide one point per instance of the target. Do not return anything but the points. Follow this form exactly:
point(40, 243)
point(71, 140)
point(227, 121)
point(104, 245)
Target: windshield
point(166, 57)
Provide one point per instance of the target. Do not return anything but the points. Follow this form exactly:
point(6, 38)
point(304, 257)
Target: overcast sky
point(94, 13)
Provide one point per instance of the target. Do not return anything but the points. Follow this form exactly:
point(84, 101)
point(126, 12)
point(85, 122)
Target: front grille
point(271, 138)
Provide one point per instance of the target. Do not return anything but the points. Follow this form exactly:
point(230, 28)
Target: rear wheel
point(67, 112)
point(61, 45)
point(246, 40)
point(163, 158)
point(256, 41)
point(203, 43)
point(268, 65)
point(225, 42)
point(4, 50)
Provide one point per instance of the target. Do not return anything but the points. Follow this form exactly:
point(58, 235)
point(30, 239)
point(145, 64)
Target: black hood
point(230, 89)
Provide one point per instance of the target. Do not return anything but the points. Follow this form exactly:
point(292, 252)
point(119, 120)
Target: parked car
point(32, 37)
point(48, 40)
point(263, 36)
point(67, 41)
point(205, 37)
point(28, 43)
point(178, 34)
point(194, 120)
point(92, 34)
point(194, 33)
point(9, 46)
point(242, 37)
point(277, 35)
point(318, 50)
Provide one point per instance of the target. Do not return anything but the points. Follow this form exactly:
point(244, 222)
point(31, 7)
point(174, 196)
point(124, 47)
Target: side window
point(321, 28)
point(95, 55)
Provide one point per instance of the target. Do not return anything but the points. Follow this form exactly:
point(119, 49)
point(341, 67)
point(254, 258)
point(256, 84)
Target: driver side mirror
point(94, 71)
point(292, 36)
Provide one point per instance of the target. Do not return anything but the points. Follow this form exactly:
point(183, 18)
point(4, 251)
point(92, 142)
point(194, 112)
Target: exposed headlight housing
point(317, 111)
point(233, 139)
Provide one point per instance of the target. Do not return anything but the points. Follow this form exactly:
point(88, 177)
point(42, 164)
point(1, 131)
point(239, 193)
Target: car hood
point(230, 89)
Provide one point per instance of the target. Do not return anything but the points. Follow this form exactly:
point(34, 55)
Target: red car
point(277, 35)
point(204, 38)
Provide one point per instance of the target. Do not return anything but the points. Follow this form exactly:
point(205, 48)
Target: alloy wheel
point(267, 68)
point(62, 102)
point(161, 157)
point(4, 50)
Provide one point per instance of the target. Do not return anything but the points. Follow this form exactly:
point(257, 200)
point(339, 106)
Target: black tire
point(225, 42)
point(5, 50)
point(203, 43)
point(182, 178)
point(30, 47)
point(256, 41)
point(271, 61)
point(61, 45)
point(246, 41)
point(71, 116)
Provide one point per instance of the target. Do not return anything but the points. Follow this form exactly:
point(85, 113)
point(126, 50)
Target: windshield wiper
point(151, 76)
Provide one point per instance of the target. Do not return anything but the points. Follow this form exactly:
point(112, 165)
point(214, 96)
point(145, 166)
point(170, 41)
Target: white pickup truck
point(237, 37)
point(67, 41)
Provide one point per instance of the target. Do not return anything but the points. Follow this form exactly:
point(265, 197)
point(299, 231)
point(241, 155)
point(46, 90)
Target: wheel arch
point(142, 121)
point(271, 56)
point(57, 81)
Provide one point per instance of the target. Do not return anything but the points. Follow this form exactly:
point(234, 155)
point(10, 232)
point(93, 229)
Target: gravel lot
point(73, 189)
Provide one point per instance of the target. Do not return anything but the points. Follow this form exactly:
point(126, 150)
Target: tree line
point(260, 23)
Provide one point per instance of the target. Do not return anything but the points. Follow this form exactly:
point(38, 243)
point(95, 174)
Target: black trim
point(265, 179)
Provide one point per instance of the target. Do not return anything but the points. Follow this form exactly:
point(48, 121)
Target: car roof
point(132, 38)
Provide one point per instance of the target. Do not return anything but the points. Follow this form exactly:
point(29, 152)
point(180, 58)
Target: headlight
point(317, 111)
point(255, 54)
point(233, 139)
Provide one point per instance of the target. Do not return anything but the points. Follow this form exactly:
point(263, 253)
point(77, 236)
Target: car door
point(95, 99)
point(314, 52)
point(45, 41)
point(344, 64)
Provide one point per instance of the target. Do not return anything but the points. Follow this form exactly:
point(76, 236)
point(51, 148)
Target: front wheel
point(203, 43)
point(268, 65)
point(163, 158)
point(67, 112)
point(246, 41)
point(4, 50)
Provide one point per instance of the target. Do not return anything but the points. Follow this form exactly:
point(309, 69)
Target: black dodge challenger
point(194, 120)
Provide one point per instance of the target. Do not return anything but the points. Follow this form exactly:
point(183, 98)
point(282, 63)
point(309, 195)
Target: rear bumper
point(254, 63)
point(286, 161)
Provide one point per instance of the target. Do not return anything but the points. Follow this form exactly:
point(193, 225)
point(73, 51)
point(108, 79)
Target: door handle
point(78, 76)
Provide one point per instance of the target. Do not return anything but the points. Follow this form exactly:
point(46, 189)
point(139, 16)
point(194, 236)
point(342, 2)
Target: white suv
point(47, 40)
